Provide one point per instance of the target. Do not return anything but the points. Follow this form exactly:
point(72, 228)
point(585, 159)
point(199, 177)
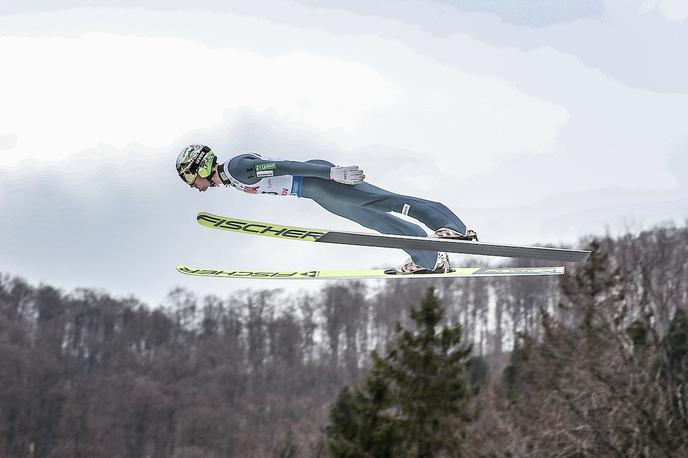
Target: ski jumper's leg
point(369, 205)
point(384, 223)
point(433, 214)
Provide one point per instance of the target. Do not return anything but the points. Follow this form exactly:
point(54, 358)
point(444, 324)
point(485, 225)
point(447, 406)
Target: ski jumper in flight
point(340, 190)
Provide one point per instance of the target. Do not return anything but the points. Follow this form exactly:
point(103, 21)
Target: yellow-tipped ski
point(368, 273)
point(242, 226)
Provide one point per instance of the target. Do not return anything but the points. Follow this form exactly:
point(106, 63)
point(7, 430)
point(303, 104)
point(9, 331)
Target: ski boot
point(409, 267)
point(445, 233)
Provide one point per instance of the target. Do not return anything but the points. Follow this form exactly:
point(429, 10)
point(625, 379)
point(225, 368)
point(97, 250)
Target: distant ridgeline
point(601, 352)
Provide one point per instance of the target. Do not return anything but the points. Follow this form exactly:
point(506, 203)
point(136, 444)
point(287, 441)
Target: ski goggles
point(188, 177)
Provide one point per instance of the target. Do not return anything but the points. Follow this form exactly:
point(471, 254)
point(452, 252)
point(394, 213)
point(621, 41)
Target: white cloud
point(672, 10)
point(67, 94)
point(8, 141)
point(82, 88)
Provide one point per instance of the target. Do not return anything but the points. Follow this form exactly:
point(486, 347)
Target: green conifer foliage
point(360, 426)
point(414, 400)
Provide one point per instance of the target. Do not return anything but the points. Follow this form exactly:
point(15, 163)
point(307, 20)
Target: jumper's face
point(202, 184)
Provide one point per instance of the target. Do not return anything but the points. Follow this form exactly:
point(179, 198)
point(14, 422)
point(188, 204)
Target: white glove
point(347, 175)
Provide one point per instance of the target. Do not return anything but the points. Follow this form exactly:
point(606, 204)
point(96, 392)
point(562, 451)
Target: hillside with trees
point(594, 363)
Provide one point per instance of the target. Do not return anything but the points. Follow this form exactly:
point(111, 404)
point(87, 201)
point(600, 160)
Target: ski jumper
point(363, 203)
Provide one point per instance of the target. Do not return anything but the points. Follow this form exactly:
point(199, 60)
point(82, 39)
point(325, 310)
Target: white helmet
point(195, 160)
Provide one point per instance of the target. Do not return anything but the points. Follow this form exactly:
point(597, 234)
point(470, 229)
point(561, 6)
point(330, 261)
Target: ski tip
point(205, 218)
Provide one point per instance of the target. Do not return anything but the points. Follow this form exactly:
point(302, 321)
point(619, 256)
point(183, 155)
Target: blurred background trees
point(591, 364)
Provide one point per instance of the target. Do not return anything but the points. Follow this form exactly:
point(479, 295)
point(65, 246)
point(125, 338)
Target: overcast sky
point(536, 121)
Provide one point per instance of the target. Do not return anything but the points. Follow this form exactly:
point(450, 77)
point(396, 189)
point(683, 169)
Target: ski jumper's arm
point(250, 168)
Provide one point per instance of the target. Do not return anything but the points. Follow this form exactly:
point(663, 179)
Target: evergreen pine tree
point(360, 426)
point(414, 400)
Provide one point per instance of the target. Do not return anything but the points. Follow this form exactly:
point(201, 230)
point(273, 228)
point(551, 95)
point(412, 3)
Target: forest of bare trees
point(594, 363)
